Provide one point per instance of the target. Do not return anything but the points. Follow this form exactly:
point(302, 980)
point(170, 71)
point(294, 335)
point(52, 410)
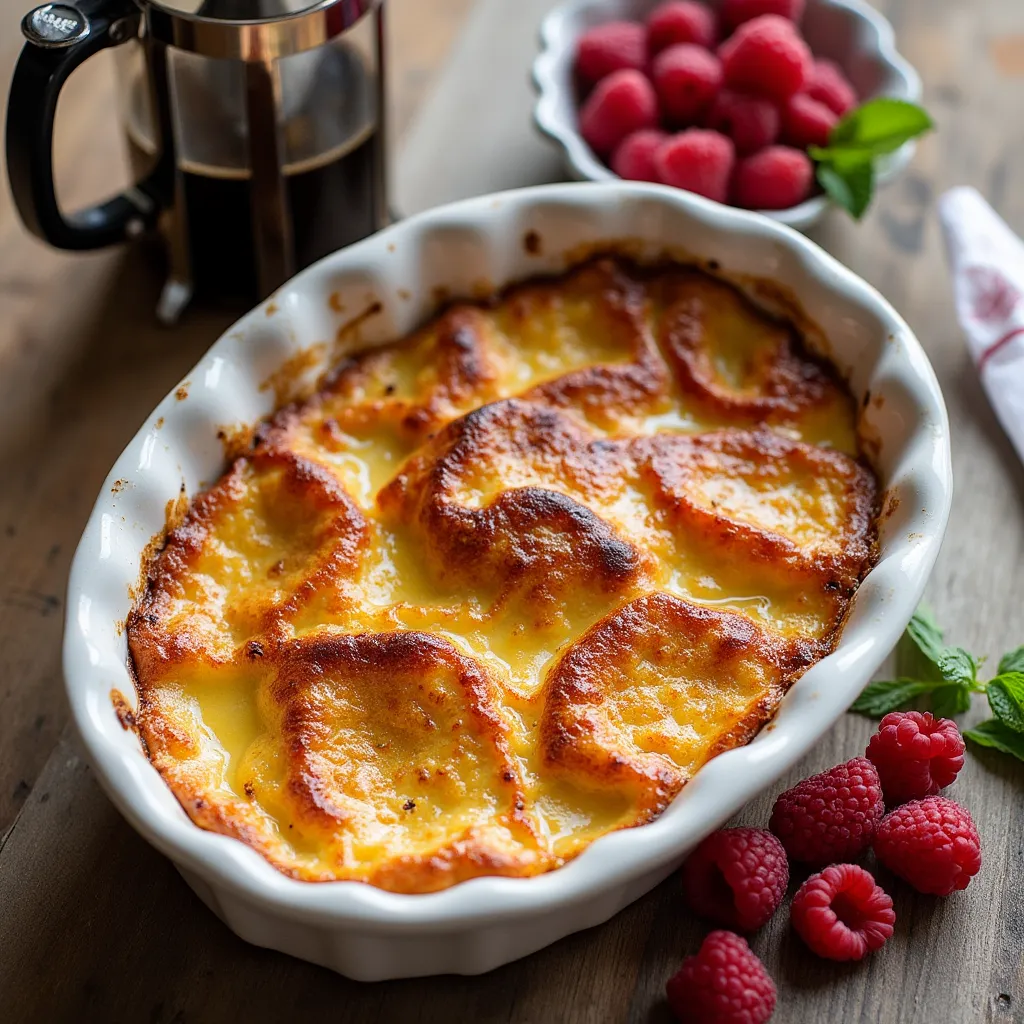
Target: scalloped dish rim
point(608, 874)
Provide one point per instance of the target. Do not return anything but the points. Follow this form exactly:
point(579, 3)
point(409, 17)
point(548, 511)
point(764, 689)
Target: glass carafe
point(255, 130)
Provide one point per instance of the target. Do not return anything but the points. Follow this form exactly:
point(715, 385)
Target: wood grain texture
point(95, 925)
point(82, 362)
point(98, 926)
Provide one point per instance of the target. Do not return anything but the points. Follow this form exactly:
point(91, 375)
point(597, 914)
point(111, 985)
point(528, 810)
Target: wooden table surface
point(96, 926)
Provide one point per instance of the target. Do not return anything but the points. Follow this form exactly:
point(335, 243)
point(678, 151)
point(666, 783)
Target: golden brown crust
point(379, 729)
point(632, 385)
point(443, 369)
point(833, 492)
point(773, 378)
point(535, 536)
point(502, 587)
point(312, 534)
point(681, 671)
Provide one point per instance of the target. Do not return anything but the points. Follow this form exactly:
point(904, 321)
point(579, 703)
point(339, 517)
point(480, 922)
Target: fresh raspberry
point(634, 158)
point(724, 983)
point(699, 161)
point(613, 46)
point(932, 843)
point(752, 122)
point(687, 79)
point(830, 816)
point(766, 56)
point(915, 755)
point(737, 877)
point(776, 178)
point(806, 122)
point(680, 21)
point(841, 914)
point(827, 84)
point(620, 104)
point(736, 12)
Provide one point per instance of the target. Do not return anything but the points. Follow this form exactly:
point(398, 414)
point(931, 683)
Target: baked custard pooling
point(504, 586)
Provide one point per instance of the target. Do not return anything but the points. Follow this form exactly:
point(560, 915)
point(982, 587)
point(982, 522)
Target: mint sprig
point(946, 677)
point(1012, 662)
point(925, 667)
point(951, 700)
point(879, 698)
point(846, 167)
point(1004, 731)
point(993, 733)
point(1006, 699)
point(958, 666)
point(851, 188)
point(922, 644)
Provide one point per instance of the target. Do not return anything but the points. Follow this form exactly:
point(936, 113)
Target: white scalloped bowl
point(850, 32)
point(368, 933)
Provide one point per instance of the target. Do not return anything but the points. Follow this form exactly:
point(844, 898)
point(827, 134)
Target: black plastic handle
point(61, 37)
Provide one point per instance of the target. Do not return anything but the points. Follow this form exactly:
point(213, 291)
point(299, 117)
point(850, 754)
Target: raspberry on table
point(736, 12)
point(931, 843)
point(776, 178)
point(752, 122)
point(687, 79)
point(737, 877)
point(614, 46)
point(634, 157)
point(680, 21)
point(842, 914)
point(724, 983)
point(766, 56)
point(806, 122)
point(827, 84)
point(620, 104)
point(916, 754)
point(830, 816)
point(698, 161)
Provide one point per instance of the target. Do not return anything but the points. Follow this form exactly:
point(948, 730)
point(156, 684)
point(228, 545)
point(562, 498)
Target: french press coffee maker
point(255, 130)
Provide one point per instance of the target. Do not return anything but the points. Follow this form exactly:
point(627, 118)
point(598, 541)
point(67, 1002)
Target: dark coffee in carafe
point(255, 129)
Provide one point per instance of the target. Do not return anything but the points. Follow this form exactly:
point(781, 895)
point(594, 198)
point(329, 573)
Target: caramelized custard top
point(505, 585)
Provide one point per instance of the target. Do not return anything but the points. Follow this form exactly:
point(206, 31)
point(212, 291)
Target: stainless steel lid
point(252, 30)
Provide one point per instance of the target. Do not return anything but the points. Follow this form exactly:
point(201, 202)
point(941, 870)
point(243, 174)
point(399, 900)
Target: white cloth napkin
point(987, 262)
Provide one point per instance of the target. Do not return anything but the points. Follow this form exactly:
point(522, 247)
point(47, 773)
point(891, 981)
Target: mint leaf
point(958, 666)
point(1012, 662)
point(851, 188)
point(1006, 698)
point(846, 169)
point(881, 697)
point(880, 126)
point(994, 734)
point(951, 700)
point(925, 631)
point(919, 648)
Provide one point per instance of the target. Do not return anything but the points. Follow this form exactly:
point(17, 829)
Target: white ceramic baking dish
point(850, 32)
point(367, 933)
